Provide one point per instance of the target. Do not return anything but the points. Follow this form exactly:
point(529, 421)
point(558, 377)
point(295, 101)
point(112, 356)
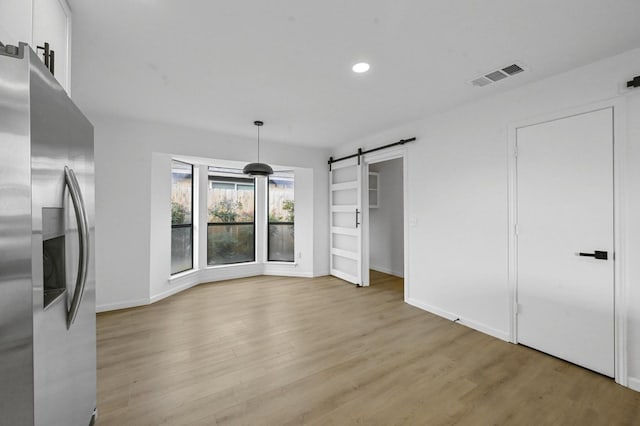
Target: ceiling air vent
point(497, 75)
point(512, 69)
point(481, 82)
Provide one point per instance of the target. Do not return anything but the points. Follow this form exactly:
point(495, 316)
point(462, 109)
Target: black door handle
point(602, 255)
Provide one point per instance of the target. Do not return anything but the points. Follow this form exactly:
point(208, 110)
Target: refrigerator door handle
point(83, 235)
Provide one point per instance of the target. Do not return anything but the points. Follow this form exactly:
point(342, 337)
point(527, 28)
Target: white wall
point(458, 195)
point(132, 204)
point(15, 21)
point(386, 223)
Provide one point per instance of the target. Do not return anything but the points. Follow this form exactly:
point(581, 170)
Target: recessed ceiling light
point(360, 67)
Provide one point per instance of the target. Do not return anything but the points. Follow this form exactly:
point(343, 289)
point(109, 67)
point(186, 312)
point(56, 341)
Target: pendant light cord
point(258, 169)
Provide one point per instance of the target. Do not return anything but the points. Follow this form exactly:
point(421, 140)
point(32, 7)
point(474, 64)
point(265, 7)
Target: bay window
point(247, 220)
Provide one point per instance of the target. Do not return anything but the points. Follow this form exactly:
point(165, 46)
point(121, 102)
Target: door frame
point(378, 157)
point(619, 286)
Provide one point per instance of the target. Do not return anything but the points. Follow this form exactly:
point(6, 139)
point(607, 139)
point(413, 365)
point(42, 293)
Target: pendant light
point(258, 169)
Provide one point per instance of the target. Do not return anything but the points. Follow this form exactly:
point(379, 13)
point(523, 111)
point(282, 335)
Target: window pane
point(181, 249)
point(181, 190)
point(231, 202)
point(230, 243)
point(181, 216)
point(281, 218)
point(230, 230)
point(281, 243)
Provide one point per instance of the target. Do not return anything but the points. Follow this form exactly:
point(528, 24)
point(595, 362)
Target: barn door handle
point(357, 215)
point(602, 255)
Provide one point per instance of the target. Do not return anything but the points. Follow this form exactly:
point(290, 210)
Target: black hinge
point(635, 82)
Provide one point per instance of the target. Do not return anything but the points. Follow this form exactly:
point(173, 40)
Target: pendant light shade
point(258, 169)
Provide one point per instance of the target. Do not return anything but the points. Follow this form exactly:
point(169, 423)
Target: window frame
point(269, 223)
point(190, 225)
point(241, 178)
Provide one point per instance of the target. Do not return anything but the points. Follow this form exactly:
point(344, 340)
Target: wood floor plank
point(286, 351)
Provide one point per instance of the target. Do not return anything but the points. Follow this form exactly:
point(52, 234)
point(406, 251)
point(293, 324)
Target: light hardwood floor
point(279, 351)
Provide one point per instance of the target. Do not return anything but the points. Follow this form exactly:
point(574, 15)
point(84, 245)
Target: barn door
point(345, 187)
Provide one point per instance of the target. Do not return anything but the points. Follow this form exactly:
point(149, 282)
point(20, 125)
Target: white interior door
point(564, 216)
point(345, 188)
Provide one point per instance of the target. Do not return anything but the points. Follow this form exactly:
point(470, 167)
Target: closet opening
point(384, 229)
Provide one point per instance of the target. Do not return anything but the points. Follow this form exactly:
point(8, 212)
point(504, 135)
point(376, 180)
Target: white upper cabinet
point(52, 24)
point(15, 21)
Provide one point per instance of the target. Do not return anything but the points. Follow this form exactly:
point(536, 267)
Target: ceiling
point(220, 65)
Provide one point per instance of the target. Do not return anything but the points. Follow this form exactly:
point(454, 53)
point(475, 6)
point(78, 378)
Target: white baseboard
point(208, 275)
point(289, 274)
point(230, 272)
point(121, 305)
point(322, 273)
point(634, 383)
point(285, 270)
point(499, 334)
point(176, 288)
point(386, 270)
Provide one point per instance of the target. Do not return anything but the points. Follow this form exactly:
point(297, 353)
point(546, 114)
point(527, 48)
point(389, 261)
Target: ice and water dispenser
point(53, 254)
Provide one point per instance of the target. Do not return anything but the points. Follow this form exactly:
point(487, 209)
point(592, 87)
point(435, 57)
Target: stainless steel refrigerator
point(47, 278)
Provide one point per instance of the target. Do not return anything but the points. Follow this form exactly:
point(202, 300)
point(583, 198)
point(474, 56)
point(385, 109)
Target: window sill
point(183, 274)
point(232, 265)
point(280, 262)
